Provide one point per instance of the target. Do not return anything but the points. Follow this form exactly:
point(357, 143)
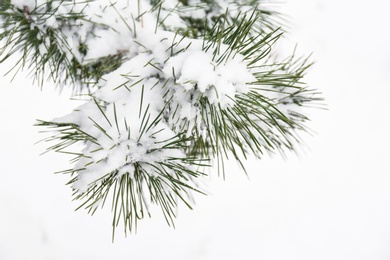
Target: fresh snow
point(332, 203)
point(158, 62)
point(154, 96)
point(30, 4)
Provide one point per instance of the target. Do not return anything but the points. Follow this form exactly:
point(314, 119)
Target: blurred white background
point(332, 202)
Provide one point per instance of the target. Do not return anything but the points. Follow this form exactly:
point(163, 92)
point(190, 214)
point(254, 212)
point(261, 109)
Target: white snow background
point(333, 202)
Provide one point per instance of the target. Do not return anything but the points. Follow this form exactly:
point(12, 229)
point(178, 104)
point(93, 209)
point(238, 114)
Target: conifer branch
point(173, 88)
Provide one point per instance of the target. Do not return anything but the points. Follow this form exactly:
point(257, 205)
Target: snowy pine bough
point(170, 88)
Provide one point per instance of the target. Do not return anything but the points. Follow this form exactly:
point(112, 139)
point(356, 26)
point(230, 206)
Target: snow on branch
point(172, 87)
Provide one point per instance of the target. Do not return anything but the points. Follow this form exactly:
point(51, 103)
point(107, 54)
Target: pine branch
point(43, 36)
point(184, 85)
point(135, 165)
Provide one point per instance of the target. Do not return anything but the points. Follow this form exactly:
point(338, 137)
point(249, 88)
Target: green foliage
point(165, 182)
point(45, 50)
point(143, 151)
